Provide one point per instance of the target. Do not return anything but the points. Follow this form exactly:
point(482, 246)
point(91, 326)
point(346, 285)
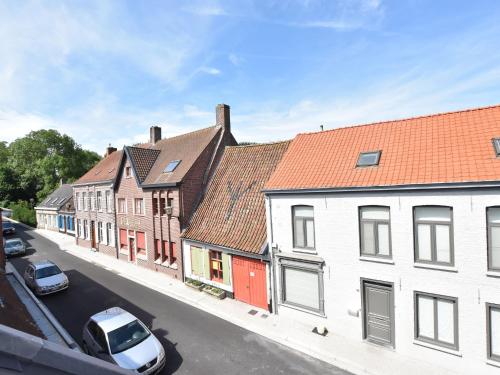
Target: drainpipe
point(2, 254)
point(153, 220)
point(274, 295)
point(160, 217)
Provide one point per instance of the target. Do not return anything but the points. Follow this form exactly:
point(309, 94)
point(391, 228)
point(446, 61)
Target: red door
point(131, 247)
point(249, 278)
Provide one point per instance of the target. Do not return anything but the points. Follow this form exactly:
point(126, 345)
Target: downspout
point(154, 223)
point(274, 293)
point(160, 216)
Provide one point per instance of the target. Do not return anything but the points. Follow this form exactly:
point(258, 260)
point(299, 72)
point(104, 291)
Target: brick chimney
point(154, 134)
point(2, 254)
point(222, 117)
point(109, 150)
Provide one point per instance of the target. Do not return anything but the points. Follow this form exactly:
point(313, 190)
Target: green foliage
point(31, 167)
point(23, 212)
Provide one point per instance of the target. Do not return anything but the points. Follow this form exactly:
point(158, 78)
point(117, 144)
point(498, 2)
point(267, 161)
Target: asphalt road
point(195, 342)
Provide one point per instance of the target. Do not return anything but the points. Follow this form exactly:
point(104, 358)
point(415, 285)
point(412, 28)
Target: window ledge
point(142, 256)
point(435, 267)
point(322, 315)
point(124, 251)
point(492, 363)
point(438, 348)
point(157, 261)
point(376, 260)
point(305, 251)
point(493, 273)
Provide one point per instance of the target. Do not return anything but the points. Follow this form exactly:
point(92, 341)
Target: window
point(108, 234)
point(139, 206)
point(122, 206)
point(302, 285)
point(78, 228)
point(158, 251)
point(84, 199)
point(375, 233)
point(141, 243)
point(99, 201)
point(433, 234)
point(91, 202)
point(303, 227)
point(496, 145)
point(493, 331)
point(436, 319)
point(108, 200)
point(127, 172)
point(171, 166)
point(77, 200)
point(85, 229)
point(165, 251)
point(123, 239)
point(173, 255)
point(216, 272)
point(367, 159)
point(99, 231)
point(493, 217)
point(155, 206)
point(162, 206)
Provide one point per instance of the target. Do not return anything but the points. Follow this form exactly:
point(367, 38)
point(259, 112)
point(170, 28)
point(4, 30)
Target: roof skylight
point(367, 159)
point(496, 144)
point(171, 166)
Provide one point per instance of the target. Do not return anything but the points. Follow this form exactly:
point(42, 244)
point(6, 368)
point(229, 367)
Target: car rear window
point(13, 243)
point(47, 272)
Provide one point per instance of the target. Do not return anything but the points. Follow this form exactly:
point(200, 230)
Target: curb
point(58, 327)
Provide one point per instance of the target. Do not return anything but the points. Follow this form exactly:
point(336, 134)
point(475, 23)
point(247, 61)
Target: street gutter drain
point(253, 312)
point(264, 316)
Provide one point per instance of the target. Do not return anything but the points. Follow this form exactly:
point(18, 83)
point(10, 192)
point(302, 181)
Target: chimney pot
point(222, 117)
point(154, 134)
point(109, 150)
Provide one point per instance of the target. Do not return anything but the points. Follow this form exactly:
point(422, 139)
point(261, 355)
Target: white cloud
point(206, 10)
point(210, 70)
point(235, 59)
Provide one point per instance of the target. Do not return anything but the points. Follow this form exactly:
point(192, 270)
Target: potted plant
point(213, 291)
point(195, 284)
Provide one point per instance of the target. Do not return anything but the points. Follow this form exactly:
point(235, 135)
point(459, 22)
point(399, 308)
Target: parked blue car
point(8, 228)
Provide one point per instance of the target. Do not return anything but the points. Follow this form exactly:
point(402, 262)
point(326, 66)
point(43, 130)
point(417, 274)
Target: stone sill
point(436, 267)
point(492, 363)
point(438, 348)
point(376, 260)
point(493, 273)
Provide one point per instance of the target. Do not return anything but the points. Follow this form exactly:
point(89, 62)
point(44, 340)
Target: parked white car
point(45, 278)
point(14, 246)
point(116, 336)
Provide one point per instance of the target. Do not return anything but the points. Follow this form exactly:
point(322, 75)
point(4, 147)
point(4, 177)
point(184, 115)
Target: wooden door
point(131, 242)
point(249, 279)
point(92, 234)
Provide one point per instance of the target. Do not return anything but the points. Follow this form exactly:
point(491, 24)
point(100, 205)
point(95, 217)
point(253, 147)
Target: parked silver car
point(117, 336)
point(45, 278)
point(14, 246)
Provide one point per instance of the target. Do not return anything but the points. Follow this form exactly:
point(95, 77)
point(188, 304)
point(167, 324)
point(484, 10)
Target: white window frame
point(304, 223)
point(85, 201)
point(143, 208)
point(107, 195)
point(99, 200)
point(118, 205)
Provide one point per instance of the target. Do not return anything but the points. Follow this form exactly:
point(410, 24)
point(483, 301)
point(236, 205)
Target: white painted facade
point(337, 242)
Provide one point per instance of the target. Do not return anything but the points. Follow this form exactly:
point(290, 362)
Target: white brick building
point(395, 256)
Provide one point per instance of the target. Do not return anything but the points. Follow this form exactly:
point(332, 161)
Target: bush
point(23, 212)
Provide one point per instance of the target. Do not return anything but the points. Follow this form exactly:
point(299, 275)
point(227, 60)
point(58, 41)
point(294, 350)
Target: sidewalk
point(334, 349)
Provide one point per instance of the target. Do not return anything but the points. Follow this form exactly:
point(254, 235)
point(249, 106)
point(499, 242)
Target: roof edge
point(408, 187)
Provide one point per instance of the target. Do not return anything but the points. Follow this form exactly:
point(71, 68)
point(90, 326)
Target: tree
point(43, 158)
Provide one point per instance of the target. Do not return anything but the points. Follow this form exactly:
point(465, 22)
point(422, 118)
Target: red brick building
point(158, 187)
point(93, 197)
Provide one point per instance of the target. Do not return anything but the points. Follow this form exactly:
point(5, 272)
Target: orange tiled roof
point(232, 213)
point(105, 170)
point(450, 147)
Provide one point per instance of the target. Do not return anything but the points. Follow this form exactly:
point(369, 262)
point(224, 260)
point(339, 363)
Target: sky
point(103, 71)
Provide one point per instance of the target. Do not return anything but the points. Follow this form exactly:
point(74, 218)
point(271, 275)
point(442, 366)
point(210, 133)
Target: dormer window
point(368, 159)
point(127, 172)
point(496, 145)
point(171, 166)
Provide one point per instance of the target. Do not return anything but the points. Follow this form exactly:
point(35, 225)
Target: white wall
point(337, 242)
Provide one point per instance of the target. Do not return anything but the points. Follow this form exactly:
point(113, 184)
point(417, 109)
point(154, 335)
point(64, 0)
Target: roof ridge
point(188, 133)
point(403, 119)
point(260, 144)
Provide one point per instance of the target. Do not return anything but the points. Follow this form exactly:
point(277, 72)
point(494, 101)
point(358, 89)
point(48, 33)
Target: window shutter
point(226, 269)
point(301, 287)
point(123, 238)
point(206, 265)
point(196, 261)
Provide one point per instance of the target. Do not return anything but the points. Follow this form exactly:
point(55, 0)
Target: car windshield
point(47, 272)
point(9, 244)
point(127, 336)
